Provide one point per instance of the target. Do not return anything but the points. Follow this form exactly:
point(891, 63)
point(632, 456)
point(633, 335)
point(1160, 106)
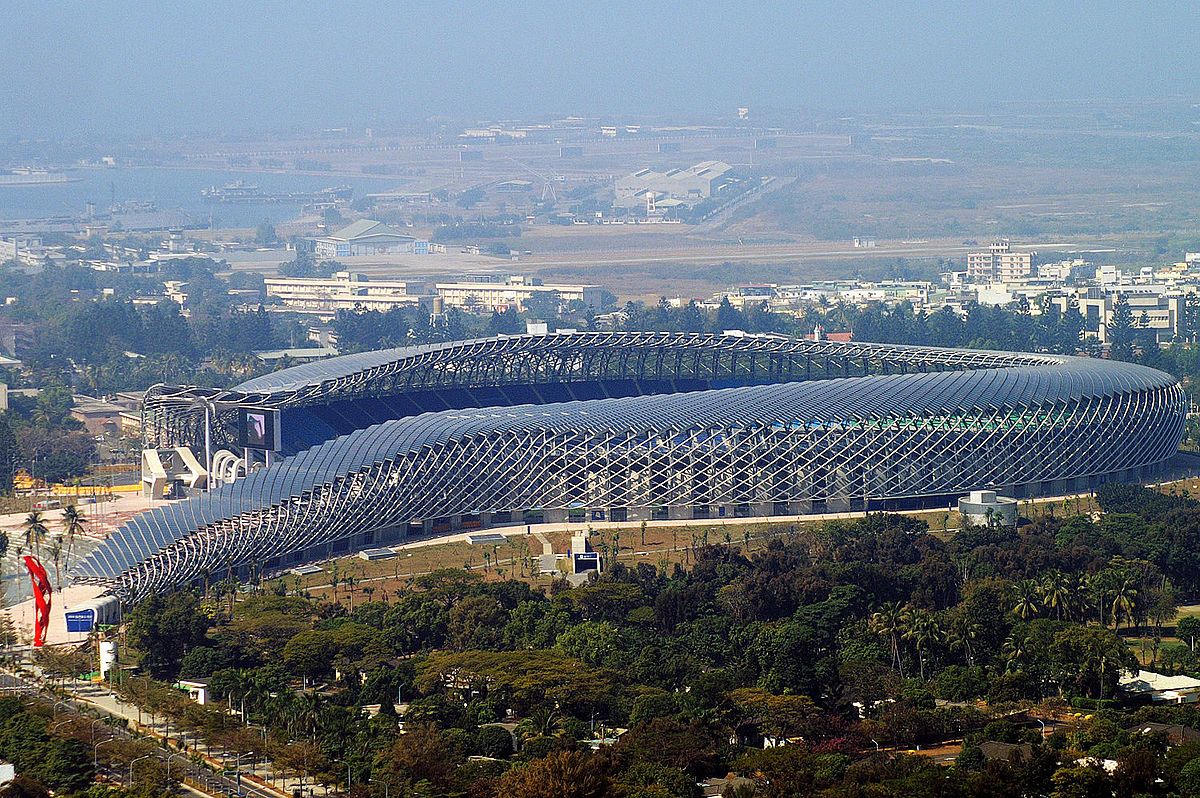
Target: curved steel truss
point(657, 362)
point(1006, 421)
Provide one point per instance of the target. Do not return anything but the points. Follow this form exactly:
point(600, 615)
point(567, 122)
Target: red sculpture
point(41, 597)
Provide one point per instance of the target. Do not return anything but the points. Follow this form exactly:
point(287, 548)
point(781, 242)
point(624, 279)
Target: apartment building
point(512, 293)
point(999, 264)
point(344, 291)
point(1150, 307)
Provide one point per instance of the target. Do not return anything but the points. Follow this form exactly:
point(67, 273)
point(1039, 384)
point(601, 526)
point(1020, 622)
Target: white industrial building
point(678, 186)
point(369, 237)
point(984, 507)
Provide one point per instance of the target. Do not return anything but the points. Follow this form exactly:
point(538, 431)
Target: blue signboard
point(81, 620)
point(587, 561)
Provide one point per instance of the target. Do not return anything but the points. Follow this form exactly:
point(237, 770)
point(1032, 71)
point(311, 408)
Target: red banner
point(41, 598)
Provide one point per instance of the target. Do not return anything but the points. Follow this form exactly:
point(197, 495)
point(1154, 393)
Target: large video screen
point(258, 429)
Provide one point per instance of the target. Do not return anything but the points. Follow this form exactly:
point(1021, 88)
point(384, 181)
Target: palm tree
point(35, 531)
point(924, 631)
point(961, 635)
point(1123, 603)
point(889, 622)
point(306, 712)
point(1055, 592)
point(73, 523)
point(1076, 603)
point(1026, 594)
point(243, 683)
point(542, 722)
point(1014, 651)
point(20, 551)
point(1097, 594)
point(55, 550)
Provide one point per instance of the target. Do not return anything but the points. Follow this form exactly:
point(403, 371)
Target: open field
point(1106, 182)
point(661, 544)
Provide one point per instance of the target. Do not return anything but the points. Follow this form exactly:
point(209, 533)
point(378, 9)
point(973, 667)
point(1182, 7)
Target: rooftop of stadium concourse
point(348, 365)
point(726, 359)
point(338, 396)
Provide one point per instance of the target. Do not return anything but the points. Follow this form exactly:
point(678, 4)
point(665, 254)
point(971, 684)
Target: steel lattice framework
point(639, 362)
point(906, 422)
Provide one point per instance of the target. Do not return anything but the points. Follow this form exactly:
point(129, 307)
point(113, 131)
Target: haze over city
point(613, 400)
point(116, 69)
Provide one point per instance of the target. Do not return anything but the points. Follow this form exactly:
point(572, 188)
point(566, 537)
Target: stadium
point(626, 426)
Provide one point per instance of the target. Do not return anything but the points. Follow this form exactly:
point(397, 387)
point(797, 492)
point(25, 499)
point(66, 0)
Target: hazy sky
point(70, 67)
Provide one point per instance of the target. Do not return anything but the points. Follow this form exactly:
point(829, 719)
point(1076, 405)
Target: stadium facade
point(625, 427)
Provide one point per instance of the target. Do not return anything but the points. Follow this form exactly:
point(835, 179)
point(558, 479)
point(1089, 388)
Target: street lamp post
point(385, 786)
point(134, 762)
point(94, 722)
point(172, 756)
point(237, 769)
point(95, 752)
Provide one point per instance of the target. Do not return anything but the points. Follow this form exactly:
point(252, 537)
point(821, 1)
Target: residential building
point(1162, 689)
point(97, 415)
point(1152, 307)
point(344, 291)
point(197, 689)
point(512, 293)
point(1175, 733)
point(28, 251)
point(999, 264)
point(1005, 752)
point(727, 786)
point(131, 422)
point(11, 247)
point(323, 335)
point(130, 400)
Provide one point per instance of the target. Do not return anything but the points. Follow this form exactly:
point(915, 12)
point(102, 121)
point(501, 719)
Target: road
point(91, 699)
